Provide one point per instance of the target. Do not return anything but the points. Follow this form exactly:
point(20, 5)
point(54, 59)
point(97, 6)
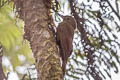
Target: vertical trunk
point(35, 14)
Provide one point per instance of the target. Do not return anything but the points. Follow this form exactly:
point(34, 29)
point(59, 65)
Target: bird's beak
point(60, 15)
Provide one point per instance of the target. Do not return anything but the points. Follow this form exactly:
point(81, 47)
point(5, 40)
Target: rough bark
point(36, 16)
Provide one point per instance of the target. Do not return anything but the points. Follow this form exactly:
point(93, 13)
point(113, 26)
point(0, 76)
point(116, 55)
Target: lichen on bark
point(36, 16)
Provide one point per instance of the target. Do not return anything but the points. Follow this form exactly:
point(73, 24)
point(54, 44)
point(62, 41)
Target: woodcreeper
point(65, 34)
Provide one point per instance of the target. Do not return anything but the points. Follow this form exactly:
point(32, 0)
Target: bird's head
point(71, 20)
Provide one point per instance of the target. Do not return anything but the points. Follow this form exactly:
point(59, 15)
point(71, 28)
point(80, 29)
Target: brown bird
point(65, 33)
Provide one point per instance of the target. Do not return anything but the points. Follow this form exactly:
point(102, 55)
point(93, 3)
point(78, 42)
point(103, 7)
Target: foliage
point(11, 31)
point(97, 43)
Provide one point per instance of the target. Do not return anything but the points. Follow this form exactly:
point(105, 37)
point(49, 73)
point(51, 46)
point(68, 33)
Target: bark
point(36, 16)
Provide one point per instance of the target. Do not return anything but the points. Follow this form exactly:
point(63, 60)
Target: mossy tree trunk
point(35, 14)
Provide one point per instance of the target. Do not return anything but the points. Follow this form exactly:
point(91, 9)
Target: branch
point(113, 10)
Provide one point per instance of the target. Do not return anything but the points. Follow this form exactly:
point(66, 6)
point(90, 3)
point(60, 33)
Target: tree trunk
point(35, 14)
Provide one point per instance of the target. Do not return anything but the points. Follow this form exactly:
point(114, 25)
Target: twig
point(23, 78)
point(113, 10)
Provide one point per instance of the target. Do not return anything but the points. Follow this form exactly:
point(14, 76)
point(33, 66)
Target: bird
point(64, 35)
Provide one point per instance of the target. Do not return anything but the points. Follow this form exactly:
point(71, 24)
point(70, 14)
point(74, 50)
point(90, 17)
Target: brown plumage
point(65, 33)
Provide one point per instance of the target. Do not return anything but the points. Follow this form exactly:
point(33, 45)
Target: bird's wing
point(66, 39)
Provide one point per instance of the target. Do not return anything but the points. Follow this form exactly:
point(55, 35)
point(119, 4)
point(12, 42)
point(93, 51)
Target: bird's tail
point(64, 67)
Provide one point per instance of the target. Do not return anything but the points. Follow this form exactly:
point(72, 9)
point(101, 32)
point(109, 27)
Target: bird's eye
point(67, 18)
